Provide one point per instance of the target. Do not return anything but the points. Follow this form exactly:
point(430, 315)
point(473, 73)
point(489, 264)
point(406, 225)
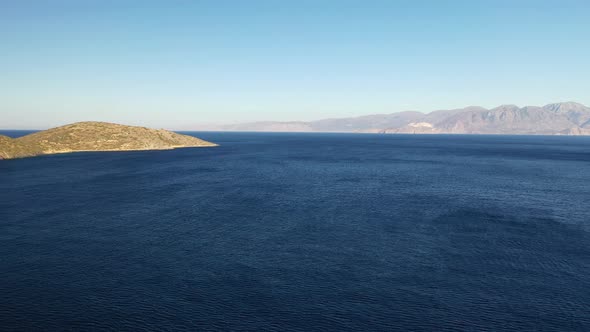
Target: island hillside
point(95, 136)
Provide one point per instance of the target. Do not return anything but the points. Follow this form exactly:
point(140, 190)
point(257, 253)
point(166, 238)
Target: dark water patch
point(288, 232)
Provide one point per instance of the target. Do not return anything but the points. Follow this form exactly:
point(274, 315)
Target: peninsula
point(95, 136)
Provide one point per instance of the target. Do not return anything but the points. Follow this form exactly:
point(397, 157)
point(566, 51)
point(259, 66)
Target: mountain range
point(567, 118)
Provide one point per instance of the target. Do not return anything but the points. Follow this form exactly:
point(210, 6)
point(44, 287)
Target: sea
point(301, 232)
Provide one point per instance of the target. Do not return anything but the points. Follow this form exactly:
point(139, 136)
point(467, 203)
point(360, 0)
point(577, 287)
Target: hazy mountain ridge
point(270, 126)
point(567, 118)
point(94, 136)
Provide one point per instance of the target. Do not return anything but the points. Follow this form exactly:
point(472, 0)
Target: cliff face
point(95, 136)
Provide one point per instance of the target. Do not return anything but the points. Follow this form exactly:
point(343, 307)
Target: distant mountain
point(269, 126)
point(366, 123)
point(554, 119)
point(94, 136)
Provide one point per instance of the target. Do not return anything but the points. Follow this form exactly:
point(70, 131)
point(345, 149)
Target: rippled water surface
point(300, 232)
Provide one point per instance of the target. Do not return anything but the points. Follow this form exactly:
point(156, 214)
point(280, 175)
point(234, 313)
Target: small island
point(95, 136)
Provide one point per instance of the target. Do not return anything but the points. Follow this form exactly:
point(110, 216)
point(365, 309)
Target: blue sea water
point(301, 232)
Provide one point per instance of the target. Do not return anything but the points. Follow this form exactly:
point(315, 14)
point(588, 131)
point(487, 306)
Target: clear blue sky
point(175, 64)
